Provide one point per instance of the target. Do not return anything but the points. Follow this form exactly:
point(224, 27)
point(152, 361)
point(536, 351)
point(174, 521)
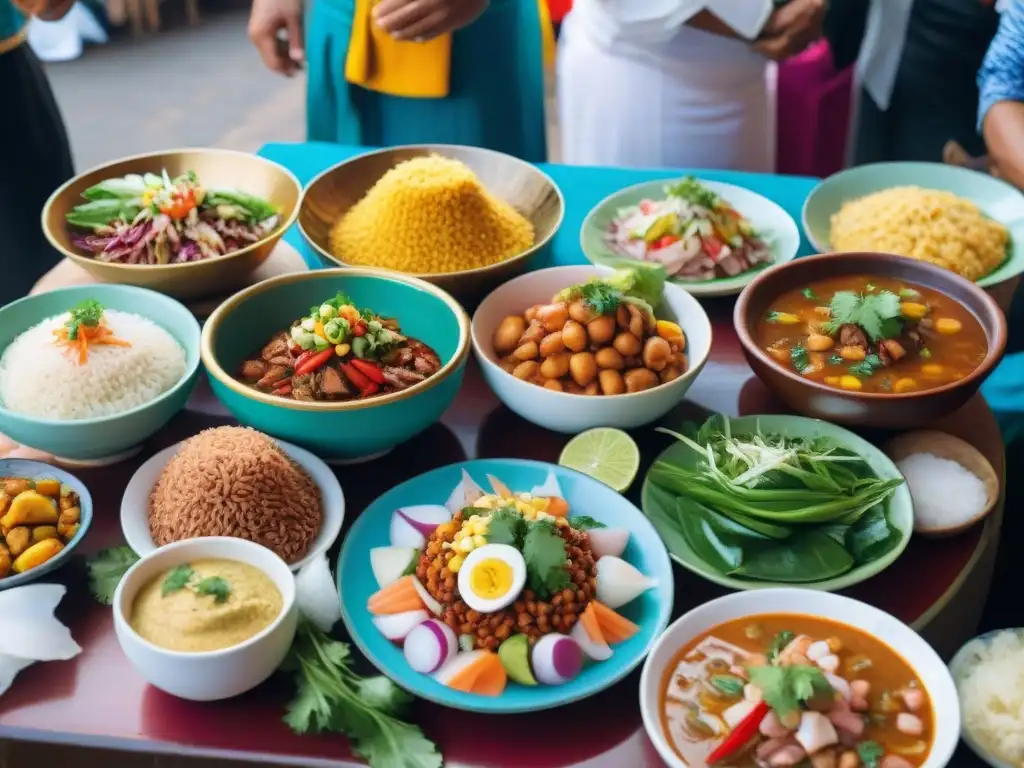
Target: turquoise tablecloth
point(582, 187)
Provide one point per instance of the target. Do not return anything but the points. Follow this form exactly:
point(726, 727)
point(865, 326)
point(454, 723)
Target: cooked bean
point(556, 366)
point(574, 336)
point(5, 560)
point(852, 353)
point(671, 373)
point(19, 539)
point(639, 379)
point(593, 388)
point(582, 368)
point(508, 364)
point(819, 342)
point(553, 384)
point(637, 323)
point(627, 344)
point(15, 485)
point(622, 316)
point(535, 332)
point(611, 382)
point(508, 333)
point(553, 316)
point(581, 312)
point(602, 329)
point(656, 352)
point(531, 313)
point(609, 357)
point(527, 351)
point(551, 344)
point(526, 370)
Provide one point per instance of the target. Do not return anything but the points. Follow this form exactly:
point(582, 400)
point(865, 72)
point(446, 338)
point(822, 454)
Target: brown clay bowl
point(215, 168)
point(522, 185)
point(890, 411)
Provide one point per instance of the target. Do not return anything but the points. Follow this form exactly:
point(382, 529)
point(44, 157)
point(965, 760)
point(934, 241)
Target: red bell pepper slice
point(311, 364)
point(355, 376)
point(304, 357)
point(285, 390)
point(371, 389)
point(664, 242)
point(741, 734)
point(370, 369)
point(359, 329)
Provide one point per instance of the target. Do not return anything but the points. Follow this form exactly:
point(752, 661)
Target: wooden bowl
point(215, 168)
point(946, 446)
point(866, 409)
point(522, 185)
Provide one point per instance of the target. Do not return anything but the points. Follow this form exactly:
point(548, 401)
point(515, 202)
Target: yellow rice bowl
point(430, 215)
point(926, 224)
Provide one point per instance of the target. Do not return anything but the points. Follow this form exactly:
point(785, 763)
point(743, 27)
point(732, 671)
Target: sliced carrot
point(466, 678)
point(499, 488)
point(557, 507)
point(397, 597)
point(590, 623)
point(492, 679)
point(615, 627)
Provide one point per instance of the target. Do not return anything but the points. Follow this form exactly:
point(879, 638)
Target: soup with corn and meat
point(793, 690)
point(872, 334)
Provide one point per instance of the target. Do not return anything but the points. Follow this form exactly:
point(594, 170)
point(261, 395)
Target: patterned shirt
point(1001, 77)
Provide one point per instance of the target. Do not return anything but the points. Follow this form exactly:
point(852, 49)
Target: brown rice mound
point(235, 481)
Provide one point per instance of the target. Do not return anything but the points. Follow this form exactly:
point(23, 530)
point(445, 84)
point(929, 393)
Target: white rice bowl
point(41, 379)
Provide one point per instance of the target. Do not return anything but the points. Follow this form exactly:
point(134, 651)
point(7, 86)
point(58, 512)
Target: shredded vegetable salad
point(155, 219)
point(693, 232)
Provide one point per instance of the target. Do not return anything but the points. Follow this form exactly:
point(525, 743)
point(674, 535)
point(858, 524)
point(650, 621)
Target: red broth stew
point(872, 334)
point(805, 688)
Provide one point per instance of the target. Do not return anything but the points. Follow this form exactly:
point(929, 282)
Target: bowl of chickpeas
point(572, 363)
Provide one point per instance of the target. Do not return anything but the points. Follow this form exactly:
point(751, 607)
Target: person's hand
point(267, 20)
point(791, 29)
point(422, 20)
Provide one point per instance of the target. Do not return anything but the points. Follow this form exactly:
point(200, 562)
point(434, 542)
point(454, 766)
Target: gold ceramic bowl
point(215, 168)
point(520, 184)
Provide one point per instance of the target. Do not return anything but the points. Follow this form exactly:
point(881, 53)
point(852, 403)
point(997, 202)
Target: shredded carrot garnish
point(86, 336)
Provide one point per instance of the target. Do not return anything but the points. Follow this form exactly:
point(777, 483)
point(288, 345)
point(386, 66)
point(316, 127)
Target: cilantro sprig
point(878, 314)
point(692, 191)
point(786, 689)
point(184, 577)
point(88, 313)
point(585, 523)
point(105, 570)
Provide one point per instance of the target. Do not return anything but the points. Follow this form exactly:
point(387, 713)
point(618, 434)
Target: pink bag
point(812, 114)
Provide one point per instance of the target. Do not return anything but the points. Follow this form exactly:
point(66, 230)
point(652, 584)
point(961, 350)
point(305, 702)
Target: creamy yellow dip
point(185, 619)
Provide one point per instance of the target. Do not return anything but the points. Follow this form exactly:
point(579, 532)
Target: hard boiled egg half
point(492, 577)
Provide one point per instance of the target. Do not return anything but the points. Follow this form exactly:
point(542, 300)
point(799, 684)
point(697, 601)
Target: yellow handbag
point(378, 62)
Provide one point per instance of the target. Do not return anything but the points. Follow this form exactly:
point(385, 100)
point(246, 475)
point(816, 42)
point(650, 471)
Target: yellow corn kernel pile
point(430, 215)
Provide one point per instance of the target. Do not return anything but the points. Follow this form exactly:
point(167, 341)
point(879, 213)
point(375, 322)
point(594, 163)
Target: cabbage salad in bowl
point(693, 231)
point(154, 219)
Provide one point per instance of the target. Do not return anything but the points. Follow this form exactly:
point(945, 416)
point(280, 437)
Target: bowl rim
point(649, 679)
point(248, 550)
point(151, 295)
point(34, 467)
point(311, 464)
point(692, 371)
point(217, 372)
point(440, 148)
point(993, 354)
point(157, 269)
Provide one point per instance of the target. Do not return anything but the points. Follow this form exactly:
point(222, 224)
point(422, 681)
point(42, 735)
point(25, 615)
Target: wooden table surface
point(98, 700)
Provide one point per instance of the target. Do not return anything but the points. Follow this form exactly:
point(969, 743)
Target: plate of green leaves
point(768, 501)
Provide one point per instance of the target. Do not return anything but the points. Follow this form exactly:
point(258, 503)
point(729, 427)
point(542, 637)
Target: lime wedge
point(606, 454)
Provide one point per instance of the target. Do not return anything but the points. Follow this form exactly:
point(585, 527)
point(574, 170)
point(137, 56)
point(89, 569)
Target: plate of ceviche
point(711, 237)
point(504, 585)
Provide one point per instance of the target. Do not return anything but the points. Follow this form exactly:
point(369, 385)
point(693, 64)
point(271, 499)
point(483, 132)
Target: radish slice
point(410, 526)
point(619, 583)
point(389, 564)
point(556, 659)
point(465, 494)
point(427, 598)
point(429, 646)
point(590, 640)
point(550, 487)
point(397, 626)
point(608, 541)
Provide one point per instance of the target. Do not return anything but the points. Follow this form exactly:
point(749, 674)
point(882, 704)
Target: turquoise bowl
point(37, 470)
point(105, 437)
point(351, 430)
point(586, 496)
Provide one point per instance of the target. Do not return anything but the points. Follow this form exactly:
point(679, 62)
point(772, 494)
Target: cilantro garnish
point(878, 314)
point(106, 568)
point(730, 685)
point(216, 586)
point(799, 358)
point(809, 294)
point(87, 313)
point(177, 579)
point(506, 526)
point(925, 353)
point(785, 689)
point(585, 523)
point(870, 753)
point(600, 297)
point(544, 552)
point(780, 641)
point(692, 191)
point(867, 366)
point(330, 697)
point(836, 359)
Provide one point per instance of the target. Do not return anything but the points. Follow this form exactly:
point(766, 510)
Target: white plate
point(134, 503)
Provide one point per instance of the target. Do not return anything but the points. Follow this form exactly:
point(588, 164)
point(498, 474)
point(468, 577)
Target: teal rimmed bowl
point(104, 438)
point(350, 430)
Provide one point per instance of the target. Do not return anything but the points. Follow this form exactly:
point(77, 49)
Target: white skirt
point(703, 102)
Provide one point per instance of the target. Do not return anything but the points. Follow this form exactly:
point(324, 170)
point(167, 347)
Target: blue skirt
point(496, 98)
